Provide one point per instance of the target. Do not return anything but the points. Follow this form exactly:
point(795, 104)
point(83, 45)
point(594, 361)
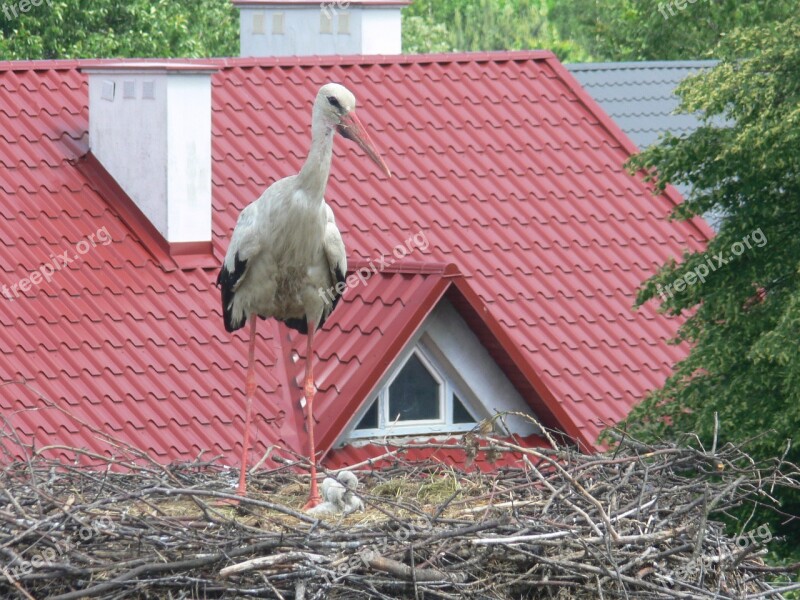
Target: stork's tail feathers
point(301, 324)
point(227, 280)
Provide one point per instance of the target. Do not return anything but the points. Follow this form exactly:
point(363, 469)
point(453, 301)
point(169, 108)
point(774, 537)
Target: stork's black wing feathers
point(340, 278)
point(227, 281)
point(301, 324)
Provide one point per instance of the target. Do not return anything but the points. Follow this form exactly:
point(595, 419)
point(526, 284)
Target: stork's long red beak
point(350, 127)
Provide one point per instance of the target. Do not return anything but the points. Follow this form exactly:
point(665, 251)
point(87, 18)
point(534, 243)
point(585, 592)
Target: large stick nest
point(639, 523)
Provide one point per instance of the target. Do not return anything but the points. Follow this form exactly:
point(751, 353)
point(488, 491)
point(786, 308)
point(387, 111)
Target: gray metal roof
point(640, 96)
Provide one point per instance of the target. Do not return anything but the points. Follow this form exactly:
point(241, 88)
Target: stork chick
point(339, 495)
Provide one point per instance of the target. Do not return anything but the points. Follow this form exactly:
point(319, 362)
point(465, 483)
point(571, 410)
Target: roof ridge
point(287, 61)
point(644, 64)
point(411, 267)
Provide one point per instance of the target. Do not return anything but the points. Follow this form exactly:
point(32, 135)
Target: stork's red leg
point(250, 390)
point(310, 390)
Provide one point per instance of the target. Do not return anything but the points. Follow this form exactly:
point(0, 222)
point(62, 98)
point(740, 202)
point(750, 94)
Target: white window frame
point(387, 427)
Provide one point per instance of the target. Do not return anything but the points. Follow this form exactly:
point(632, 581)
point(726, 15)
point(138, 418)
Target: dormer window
point(442, 384)
point(419, 399)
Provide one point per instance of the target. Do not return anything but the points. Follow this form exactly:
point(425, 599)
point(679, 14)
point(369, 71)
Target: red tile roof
point(511, 171)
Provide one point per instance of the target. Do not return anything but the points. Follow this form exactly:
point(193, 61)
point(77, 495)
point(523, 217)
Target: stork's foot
point(313, 502)
point(225, 502)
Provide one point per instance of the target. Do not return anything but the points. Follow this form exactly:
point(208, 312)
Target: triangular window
point(460, 412)
point(442, 383)
point(370, 418)
point(420, 398)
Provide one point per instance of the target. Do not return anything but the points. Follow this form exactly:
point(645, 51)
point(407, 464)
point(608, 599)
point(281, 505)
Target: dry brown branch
point(265, 562)
point(642, 523)
point(408, 573)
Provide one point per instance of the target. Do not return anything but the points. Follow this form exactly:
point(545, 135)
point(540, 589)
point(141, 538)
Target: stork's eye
point(334, 102)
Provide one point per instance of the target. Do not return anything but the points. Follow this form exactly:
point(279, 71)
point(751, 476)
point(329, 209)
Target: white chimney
point(150, 127)
point(319, 27)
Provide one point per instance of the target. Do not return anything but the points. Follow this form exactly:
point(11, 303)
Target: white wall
point(128, 137)
point(454, 344)
point(381, 31)
point(189, 158)
point(151, 130)
point(372, 30)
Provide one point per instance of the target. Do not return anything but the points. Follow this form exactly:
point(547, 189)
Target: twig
point(387, 565)
point(265, 562)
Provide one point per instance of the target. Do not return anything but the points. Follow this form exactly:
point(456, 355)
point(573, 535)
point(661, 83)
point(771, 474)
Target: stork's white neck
point(313, 177)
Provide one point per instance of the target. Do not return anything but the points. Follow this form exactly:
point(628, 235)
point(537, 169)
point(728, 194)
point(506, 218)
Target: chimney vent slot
point(149, 90)
point(258, 23)
point(129, 89)
point(325, 21)
point(107, 91)
point(344, 23)
point(278, 24)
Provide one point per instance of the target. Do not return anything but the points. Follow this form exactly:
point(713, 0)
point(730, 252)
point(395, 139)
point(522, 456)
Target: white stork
point(286, 249)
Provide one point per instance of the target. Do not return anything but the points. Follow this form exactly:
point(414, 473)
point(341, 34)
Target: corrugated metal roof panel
point(507, 167)
point(640, 96)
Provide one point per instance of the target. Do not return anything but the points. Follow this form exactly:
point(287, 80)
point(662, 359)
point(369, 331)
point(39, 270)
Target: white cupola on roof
point(319, 27)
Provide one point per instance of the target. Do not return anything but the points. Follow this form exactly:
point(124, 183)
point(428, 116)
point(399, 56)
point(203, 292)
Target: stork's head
point(337, 105)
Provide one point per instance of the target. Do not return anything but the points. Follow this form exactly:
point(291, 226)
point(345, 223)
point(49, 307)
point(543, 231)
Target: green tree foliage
point(743, 321)
point(422, 36)
point(115, 28)
point(619, 30)
point(482, 25)
point(577, 30)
